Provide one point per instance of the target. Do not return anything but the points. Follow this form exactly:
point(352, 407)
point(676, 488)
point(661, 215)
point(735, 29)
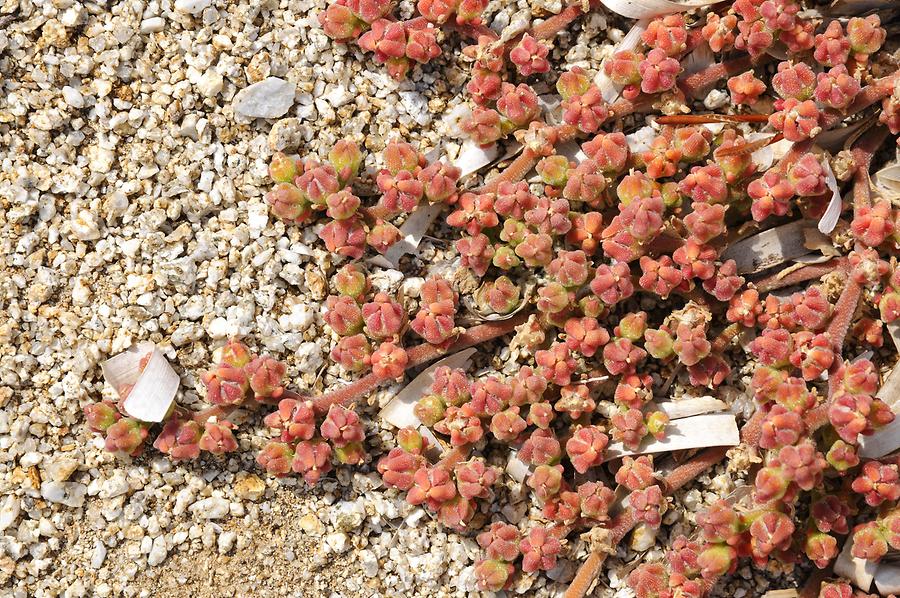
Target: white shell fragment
point(699, 431)
point(152, 389)
point(774, 246)
point(886, 440)
point(691, 406)
point(860, 572)
point(399, 410)
point(647, 9)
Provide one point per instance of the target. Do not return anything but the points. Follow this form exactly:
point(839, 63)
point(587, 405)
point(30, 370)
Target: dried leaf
point(788, 593)
point(411, 233)
point(690, 406)
point(516, 468)
point(399, 410)
point(699, 431)
point(774, 246)
point(835, 206)
point(153, 389)
point(647, 9)
point(472, 157)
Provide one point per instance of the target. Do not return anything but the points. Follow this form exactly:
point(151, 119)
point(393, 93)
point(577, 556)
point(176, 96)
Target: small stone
point(192, 7)
point(158, 552)
point(9, 512)
point(311, 525)
point(213, 507)
point(250, 487)
point(210, 83)
point(368, 562)
point(99, 555)
point(85, 227)
point(72, 97)
point(59, 469)
point(270, 98)
point(114, 486)
point(338, 542)
point(226, 542)
point(152, 25)
point(286, 135)
point(70, 494)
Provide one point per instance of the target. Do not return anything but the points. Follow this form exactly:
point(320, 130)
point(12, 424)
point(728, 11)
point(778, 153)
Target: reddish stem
point(808, 272)
point(625, 521)
point(703, 79)
point(418, 355)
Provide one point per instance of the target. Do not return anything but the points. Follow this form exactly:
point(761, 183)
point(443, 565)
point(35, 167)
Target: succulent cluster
point(617, 260)
point(307, 188)
point(399, 44)
point(238, 377)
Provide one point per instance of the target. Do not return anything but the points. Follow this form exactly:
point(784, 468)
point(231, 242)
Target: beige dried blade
point(835, 205)
point(152, 390)
point(774, 246)
point(516, 468)
point(699, 431)
point(399, 410)
point(647, 9)
point(690, 406)
point(411, 233)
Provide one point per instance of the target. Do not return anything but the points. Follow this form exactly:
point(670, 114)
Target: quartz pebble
point(270, 98)
point(193, 7)
point(70, 494)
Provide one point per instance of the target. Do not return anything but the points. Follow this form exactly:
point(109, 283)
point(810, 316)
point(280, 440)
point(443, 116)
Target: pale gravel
point(131, 192)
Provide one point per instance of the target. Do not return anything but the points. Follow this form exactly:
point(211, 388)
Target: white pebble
point(70, 494)
point(210, 83)
point(193, 7)
point(72, 97)
point(153, 25)
point(158, 552)
point(226, 542)
point(99, 555)
point(213, 507)
point(9, 512)
point(270, 98)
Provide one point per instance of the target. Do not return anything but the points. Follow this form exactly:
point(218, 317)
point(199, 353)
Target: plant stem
point(418, 355)
point(625, 521)
point(700, 80)
point(808, 272)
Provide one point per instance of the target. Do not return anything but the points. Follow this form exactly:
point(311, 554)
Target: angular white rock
point(192, 7)
point(9, 512)
point(153, 389)
point(717, 429)
point(270, 98)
